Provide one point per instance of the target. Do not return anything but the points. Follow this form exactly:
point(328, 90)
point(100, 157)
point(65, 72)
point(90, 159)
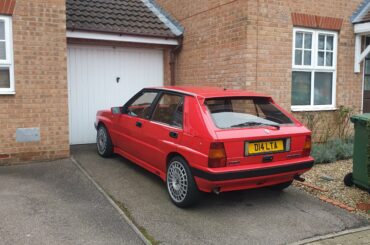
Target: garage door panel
point(92, 76)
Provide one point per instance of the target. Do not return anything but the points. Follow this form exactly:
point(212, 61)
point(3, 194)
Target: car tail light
point(217, 155)
point(307, 146)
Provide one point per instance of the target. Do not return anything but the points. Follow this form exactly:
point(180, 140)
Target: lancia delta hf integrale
point(207, 140)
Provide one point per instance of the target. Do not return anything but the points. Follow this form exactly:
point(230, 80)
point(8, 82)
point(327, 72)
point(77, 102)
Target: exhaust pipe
point(299, 178)
point(216, 190)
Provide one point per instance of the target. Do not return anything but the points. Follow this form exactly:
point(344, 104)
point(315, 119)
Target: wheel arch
point(172, 155)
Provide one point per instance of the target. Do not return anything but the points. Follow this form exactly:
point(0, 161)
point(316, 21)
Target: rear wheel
point(104, 142)
point(348, 179)
point(181, 186)
point(281, 186)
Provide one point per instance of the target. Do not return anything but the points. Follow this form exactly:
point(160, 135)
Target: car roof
point(210, 92)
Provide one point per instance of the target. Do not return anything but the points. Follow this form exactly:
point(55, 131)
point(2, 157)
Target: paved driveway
point(253, 217)
point(54, 203)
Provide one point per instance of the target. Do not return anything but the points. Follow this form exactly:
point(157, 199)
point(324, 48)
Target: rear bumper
point(249, 178)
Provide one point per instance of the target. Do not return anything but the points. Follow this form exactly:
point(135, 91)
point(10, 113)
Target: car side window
point(141, 106)
point(169, 110)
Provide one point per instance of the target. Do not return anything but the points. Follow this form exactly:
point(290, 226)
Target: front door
point(132, 124)
point(366, 95)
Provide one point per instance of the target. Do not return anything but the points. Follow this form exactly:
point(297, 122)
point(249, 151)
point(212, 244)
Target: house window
point(6, 56)
point(314, 69)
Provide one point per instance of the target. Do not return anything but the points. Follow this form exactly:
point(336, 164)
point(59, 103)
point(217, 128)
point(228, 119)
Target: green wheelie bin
point(361, 153)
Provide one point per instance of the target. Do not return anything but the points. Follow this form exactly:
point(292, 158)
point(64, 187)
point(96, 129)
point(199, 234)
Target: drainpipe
point(173, 55)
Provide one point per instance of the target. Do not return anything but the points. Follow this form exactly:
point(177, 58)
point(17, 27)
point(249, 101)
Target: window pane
point(367, 83)
point(298, 57)
point(2, 30)
point(320, 59)
point(367, 67)
point(321, 41)
point(308, 40)
point(301, 88)
point(307, 58)
point(4, 77)
point(2, 51)
point(329, 42)
point(141, 106)
point(323, 88)
point(166, 109)
point(299, 40)
point(329, 59)
point(244, 112)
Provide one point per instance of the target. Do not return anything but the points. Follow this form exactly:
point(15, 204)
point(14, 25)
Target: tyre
point(104, 142)
point(181, 186)
point(281, 186)
point(348, 179)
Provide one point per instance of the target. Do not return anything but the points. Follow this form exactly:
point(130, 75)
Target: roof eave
point(360, 12)
point(122, 37)
point(176, 28)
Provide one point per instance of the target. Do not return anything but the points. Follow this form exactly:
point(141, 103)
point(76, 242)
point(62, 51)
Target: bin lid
point(361, 118)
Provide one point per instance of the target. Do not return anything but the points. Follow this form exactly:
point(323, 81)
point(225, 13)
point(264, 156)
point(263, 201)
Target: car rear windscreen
point(245, 112)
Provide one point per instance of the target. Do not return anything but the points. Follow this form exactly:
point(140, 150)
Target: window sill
point(7, 92)
point(319, 108)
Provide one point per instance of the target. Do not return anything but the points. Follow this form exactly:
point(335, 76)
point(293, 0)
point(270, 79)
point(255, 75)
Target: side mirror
point(116, 110)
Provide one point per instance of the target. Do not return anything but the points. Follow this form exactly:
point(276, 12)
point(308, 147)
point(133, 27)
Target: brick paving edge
point(331, 235)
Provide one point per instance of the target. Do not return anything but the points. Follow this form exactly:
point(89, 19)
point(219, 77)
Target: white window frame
point(313, 68)
point(8, 62)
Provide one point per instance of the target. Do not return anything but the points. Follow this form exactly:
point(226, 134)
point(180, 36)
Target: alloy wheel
point(102, 140)
point(177, 181)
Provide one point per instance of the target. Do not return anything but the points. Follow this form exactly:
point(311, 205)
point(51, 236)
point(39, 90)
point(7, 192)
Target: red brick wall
point(214, 50)
point(248, 44)
point(41, 99)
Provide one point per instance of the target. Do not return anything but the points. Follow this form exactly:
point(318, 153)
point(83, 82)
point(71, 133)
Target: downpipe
point(173, 53)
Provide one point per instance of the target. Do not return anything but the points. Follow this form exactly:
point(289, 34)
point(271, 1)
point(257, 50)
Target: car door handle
point(174, 135)
point(139, 124)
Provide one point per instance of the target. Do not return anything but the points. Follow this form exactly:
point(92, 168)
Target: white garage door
point(103, 77)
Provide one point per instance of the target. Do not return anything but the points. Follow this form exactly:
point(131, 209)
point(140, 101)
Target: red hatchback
point(207, 139)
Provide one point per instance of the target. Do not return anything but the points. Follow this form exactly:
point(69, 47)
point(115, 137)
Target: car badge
point(267, 131)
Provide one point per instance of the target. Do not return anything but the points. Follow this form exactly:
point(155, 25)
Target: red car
point(207, 139)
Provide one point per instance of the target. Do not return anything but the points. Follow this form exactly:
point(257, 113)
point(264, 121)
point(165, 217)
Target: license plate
point(264, 147)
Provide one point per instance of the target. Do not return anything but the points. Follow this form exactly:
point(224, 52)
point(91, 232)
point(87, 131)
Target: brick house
point(60, 61)
point(306, 54)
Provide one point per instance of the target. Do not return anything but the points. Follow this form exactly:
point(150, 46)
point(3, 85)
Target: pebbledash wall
point(41, 96)
point(248, 44)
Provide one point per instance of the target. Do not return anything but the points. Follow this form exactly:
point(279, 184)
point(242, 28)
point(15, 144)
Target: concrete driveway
point(253, 217)
point(54, 203)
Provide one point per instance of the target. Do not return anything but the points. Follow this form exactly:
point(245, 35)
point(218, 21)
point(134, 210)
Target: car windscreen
point(243, 112)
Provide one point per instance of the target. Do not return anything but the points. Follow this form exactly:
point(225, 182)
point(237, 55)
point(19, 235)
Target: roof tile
point(115, 16)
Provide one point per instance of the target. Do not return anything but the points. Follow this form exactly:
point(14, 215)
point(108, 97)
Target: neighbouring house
point(61, 61)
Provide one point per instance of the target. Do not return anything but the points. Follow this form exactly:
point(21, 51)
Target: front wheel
point(181, 186)
point(104, 142)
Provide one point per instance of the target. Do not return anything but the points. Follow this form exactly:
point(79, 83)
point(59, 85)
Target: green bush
point(333, 150)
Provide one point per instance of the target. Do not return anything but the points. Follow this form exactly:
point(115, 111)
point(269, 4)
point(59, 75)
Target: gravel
point(329, 178)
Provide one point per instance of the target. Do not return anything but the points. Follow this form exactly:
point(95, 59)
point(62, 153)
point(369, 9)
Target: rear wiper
point(246, 124)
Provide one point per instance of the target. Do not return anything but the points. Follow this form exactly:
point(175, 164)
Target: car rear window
point(245, 112)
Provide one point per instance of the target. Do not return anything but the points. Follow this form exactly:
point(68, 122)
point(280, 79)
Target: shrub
point(327, 127)
point(333, 150)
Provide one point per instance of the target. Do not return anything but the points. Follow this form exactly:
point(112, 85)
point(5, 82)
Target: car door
point(129, 124)
point(163, 133)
